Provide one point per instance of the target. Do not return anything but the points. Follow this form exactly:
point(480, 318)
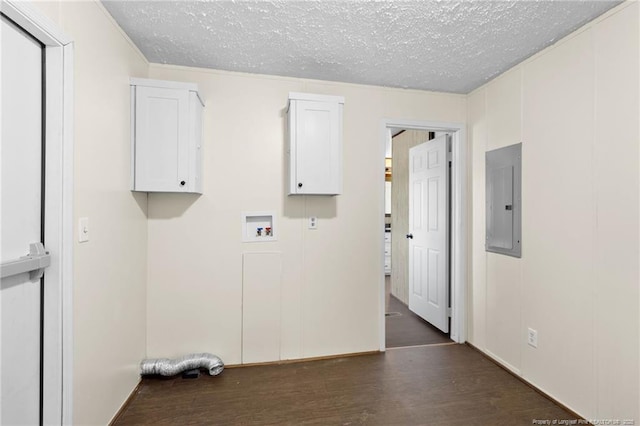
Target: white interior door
point(429, 231)
point(21, 160)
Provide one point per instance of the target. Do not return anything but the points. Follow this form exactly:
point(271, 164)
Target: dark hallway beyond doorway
point(404, 328)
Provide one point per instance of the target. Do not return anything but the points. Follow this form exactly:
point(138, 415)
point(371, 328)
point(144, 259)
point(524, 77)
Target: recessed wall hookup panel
point(258, 226)
point(504, 200)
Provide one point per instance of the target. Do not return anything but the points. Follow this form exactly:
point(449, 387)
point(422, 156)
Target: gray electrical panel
point(504, 200)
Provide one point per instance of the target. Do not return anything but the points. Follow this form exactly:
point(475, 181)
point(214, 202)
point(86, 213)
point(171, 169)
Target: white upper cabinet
point(315, 144)
point(166, 121)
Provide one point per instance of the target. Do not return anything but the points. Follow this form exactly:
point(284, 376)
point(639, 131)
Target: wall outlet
point(532, 337)
point(313, 222)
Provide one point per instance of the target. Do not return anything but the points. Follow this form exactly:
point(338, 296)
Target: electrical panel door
point(504, 201)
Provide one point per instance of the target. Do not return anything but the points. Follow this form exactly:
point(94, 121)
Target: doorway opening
point(408, 320)
point(421, 314)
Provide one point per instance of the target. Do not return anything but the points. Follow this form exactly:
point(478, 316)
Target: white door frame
point(458, 220)
point(58, 294)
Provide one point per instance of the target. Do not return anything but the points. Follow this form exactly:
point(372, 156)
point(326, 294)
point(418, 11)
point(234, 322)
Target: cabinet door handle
point(410, 236)
point(182, 183)
point(300, 185)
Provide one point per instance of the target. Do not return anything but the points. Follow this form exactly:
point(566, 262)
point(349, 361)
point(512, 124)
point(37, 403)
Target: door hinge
point(449, 312)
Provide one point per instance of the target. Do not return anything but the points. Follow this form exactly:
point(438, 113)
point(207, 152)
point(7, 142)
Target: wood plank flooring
point(429, 385)
point(407, 328)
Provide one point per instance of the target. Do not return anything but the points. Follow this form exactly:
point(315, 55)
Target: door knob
point(410, 236)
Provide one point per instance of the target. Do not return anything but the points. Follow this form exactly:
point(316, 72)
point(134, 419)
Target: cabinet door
point(161, 139)
point(318, 149)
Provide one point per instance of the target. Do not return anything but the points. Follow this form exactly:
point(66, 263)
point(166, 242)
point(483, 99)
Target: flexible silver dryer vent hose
point(171, 367)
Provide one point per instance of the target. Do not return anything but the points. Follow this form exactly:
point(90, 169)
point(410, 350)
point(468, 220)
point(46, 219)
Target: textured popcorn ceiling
point(447, 46)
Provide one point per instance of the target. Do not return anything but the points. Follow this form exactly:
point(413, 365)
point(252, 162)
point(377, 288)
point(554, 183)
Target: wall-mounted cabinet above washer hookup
point(166, 136)
point(314, 150)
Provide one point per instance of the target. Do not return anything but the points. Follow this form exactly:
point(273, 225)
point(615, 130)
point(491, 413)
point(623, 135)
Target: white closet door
point(20, 224)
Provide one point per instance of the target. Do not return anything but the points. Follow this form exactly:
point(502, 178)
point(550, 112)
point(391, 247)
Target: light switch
point(83, 230)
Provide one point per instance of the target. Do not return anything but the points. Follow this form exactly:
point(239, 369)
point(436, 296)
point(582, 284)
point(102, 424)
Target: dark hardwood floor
point(428, 385)
point(404, 328)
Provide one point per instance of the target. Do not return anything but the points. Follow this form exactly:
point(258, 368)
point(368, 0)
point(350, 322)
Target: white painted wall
point(330, 276)
point(109, 270)
point(574, 106)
